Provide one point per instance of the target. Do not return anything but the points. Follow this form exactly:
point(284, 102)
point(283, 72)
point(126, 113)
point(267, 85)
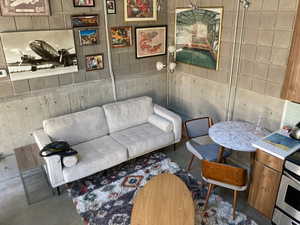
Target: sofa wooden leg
point(58, 190)
point(174, 147)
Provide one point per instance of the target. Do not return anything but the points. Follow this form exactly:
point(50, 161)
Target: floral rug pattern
point(106, 198)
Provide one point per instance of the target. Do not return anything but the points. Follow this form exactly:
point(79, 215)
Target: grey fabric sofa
point(107, 136)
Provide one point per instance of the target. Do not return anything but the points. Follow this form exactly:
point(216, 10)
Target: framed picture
point(84, 21)
point(140, 10)
point(33, 54)
point(111, 6)
point(151, 41)
point(84, 3)
point(94, 62)
point(198, 36)
point(3, 73)
point(88, 37)
point(121, 37)
point(25, 8)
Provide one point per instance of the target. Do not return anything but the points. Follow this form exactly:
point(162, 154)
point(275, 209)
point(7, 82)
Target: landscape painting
point(140, 10)
point(39, 53)
point(198, 36)
point(88, 37)
point(151, 41)
point(121, 37)
point(25, 7)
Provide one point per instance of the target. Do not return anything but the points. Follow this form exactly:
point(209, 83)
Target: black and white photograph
point(111, 6)
point(34, 54)
point(25, 7)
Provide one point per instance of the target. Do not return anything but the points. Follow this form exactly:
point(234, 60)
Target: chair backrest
point(197, 127)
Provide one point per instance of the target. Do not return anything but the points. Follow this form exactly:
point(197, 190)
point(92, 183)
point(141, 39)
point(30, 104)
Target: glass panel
point(292, 197)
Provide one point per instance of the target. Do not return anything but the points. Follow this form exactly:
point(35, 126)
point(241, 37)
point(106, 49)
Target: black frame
point(74, 4)
point(166, 40)
point(97, 35)
point(86, 68)
point(115, 4)
point(81, 16)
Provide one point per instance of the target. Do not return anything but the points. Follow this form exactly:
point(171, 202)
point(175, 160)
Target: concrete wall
point(264, 53)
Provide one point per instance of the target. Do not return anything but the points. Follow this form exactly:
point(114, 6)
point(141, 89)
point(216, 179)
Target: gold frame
point(154, 18)
point(220, 34)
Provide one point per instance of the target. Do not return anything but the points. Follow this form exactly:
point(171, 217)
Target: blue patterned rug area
point(106, 198)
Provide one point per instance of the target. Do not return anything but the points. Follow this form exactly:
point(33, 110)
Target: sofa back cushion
point(125, 114)
point(77, 127)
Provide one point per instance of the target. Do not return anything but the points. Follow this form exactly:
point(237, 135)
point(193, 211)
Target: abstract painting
point(151, 41)
point(34, 54)
point(25, 7)
point(121, 37)
point(88, 37)
point(140, 10)
point(198, 36)
point(94, 62)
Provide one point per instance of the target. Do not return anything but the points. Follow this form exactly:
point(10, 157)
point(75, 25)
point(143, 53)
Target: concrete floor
point(59, 210)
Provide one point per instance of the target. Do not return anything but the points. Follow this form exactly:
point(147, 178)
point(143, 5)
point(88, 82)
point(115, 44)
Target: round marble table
point(236, 135)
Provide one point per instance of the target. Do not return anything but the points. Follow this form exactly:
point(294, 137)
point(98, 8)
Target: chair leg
point(174, 147)
point(234, 203)
point(190, 164)
point(210, 188)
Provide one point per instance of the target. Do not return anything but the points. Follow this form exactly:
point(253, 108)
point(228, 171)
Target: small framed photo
point(25, 8)
point(121, 36)
point(151, 41)
point(84, 3)
point(94, 62)
point(3, 73)
point(88, 37)
point(140, 10)
point(111, 6)
point(84, 20)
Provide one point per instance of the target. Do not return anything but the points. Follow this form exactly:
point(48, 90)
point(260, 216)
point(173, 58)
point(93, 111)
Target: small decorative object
point(34, 54)
point(94, 62)
point(132, 181)
point(88, 37)
point(151, 41)
point(84, 21)
point(121, 37)
point(25, 7)
point(111, 6)
point(140, 10)
point(198, 36)
point(84, 3)
point(3, 73)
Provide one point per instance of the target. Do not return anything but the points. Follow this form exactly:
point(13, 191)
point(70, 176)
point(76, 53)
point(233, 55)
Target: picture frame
point(84, 3)
point(88, 37)
point(25, 8)
point(151, 41)
point(84, 20)
point(199, 38)
point(121, 36)
point(136, 10)
point(94, 62)
point(111, 6)
point(33, 54)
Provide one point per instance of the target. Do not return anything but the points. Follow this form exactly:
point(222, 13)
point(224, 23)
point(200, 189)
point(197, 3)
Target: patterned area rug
point(107, 197)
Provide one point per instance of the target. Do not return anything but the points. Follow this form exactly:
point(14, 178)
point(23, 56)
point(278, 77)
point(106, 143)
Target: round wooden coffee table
point(164, 200)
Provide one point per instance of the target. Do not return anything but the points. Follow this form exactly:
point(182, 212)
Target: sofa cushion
point(161, 123)
point(94, 156)
point(77, 127)
point(142, 139)
point(124, 114)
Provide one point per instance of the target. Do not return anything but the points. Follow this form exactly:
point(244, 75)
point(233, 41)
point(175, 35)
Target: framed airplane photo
point(25, 7)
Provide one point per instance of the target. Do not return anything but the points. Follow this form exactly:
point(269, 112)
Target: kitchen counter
point(273, 150)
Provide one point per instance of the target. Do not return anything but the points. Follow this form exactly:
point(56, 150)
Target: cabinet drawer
point(269, 160)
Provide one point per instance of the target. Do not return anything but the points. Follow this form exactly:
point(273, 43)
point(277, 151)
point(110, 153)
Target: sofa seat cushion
point(142, 139)
point(94, 156)
point(124, 114)
point(77, 127)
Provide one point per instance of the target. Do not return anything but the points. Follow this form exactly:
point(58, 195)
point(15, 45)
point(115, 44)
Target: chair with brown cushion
point(196, 128)
point(226, 176)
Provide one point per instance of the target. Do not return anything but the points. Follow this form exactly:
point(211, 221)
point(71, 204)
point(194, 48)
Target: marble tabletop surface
point(236, 135)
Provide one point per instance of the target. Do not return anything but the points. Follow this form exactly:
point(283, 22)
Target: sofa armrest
point(173, 118)
point(53, 163)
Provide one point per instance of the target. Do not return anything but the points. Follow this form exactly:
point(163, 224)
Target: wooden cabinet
point(265, 182)
point(291, 87)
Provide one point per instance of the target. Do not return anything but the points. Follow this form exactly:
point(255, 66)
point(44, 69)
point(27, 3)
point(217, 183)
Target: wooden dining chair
point(196, 128)
point(227, 176)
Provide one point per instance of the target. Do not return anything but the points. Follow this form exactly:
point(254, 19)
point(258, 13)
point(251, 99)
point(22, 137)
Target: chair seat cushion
point(142, 139)
point(208, 152)
point(94, 156)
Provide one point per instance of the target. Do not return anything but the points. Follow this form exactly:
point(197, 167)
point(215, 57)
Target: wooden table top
point(28, 157)
point(164, 200)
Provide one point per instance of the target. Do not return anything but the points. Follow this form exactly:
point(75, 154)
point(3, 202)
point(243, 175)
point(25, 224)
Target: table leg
point(220, 154)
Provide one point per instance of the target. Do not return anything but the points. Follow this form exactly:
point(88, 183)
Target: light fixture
point(171, 65)
point(160, 66)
